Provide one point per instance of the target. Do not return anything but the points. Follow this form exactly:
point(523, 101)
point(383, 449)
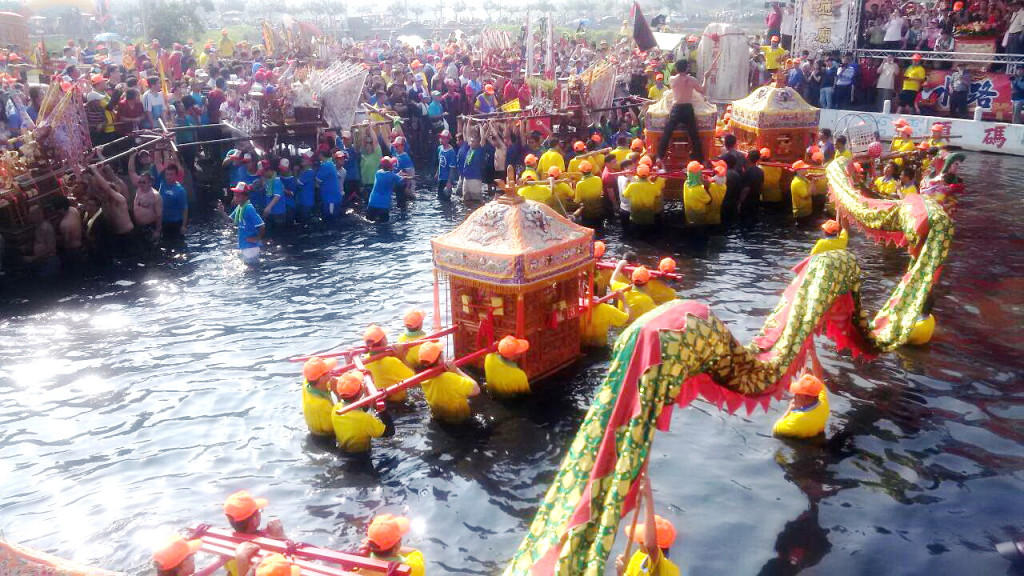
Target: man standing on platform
point(683, 86)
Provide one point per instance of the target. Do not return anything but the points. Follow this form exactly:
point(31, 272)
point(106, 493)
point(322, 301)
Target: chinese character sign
point(822, 25)
point(990, 91)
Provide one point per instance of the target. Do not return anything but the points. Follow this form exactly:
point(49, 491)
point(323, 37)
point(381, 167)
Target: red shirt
point(129, 109)
point(213, 101)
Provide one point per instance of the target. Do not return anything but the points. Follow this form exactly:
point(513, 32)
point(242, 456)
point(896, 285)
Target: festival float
point(515, 268)
point(49, 154)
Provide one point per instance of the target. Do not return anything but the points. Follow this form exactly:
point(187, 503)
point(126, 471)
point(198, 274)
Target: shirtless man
point(44, 244)
point(147, 209)
point(115, 208)
point(683, 86)
point(69, 233)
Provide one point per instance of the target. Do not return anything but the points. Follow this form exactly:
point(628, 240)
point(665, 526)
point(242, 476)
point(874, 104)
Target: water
point(133, 403)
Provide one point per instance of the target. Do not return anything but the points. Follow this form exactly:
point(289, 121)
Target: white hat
point(284, 163)
point(346, 134)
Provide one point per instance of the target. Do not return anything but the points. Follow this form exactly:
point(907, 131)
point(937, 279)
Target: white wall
point(996, 137)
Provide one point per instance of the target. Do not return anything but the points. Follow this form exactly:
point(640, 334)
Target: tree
point(172, 21)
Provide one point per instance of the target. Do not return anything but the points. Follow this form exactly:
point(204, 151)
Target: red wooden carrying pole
point(391, 348)
point(303, 553)
point(629, 269)
point(413, 381)
point(608, 296)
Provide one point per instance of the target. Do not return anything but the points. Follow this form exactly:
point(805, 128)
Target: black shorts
point(907, 97)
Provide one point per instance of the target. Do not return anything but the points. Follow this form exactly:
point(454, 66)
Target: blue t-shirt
point(383, 188)
point(175, 201)
point(305, 196)
point(276, 188)
point(471, 163)
point(435, 108)
point(249, 223)
point(330, 188)
point(258, 194)
point(404, 162)
point(352, 163)
point(446, 160)
point(1016, 89)
point(291, 184)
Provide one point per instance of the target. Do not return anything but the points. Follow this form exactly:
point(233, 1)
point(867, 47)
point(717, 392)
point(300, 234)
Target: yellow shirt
point(414, 560)
point(603, 316)
point(412, 355)
point(644, 201)
point(598, 161)
point(389, 371)
point(602, 278)
point(639, 303)
point(772, 189)
point(831, 243)
point(574, 164)
point(529, 171)
point(548, 159)
point(504, 377)
point(655, 93)
point(659, 291)
point(716, 191)
point(590, 193)
point(620, 154)
point(804, 424)
point(537, 193)
point(317, 408)
point(226, 47)
point(640, 565)
point(913, 76)
point(772, 56)
point(564, 194)
point(895, 144)
point(800, 191)
point(937, 142)
point(355, 428)
point(908, 190)
point(695, 204)
point(887, 187)
point(448, 396)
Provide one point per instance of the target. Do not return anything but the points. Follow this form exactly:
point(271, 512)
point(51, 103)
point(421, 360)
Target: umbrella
point(107, 37)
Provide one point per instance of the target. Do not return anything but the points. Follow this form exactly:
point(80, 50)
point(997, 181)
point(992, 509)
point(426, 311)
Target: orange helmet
point(640, 276)
point(807, 385)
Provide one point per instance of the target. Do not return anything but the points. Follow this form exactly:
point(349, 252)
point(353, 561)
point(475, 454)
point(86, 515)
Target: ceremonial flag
point(642, 34)
point(268, 38)
point(511, 106)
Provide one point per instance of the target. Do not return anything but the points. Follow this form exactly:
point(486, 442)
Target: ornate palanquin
point(515, 267)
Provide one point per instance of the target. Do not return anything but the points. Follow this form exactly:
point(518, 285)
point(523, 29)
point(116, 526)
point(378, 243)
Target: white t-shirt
point(887, 75)
point(894, 29)
point(1017, 22)
point(623, 201)
point(151, 99)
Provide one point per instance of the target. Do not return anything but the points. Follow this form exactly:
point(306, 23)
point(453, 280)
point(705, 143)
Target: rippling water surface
point(131, 404)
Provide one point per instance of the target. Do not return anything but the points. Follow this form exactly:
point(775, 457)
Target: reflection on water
point(133, 402)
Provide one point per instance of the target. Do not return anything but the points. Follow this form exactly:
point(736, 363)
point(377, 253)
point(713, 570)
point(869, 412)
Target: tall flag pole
point(529, 44)
point(549, 55)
